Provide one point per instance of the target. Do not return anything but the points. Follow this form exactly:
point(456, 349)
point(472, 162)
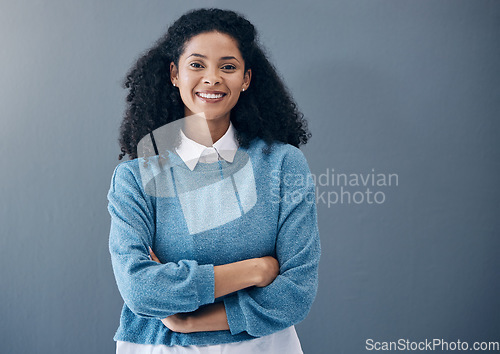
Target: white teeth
point(210, 95)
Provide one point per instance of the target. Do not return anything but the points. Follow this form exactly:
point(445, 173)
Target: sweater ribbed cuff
point(206, 284)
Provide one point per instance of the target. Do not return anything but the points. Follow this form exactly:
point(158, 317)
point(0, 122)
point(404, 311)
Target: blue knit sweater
point(260, 204)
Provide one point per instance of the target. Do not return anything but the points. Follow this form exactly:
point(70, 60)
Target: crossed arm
point(228, 278)
point(260, 300)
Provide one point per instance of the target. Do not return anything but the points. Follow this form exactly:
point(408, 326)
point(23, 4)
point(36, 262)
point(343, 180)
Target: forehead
point(213, 45)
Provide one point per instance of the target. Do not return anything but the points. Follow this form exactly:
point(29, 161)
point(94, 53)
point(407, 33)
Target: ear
point(174, 73)
point(246, 79)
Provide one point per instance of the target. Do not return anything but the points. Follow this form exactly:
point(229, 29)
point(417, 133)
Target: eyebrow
point(204, 57)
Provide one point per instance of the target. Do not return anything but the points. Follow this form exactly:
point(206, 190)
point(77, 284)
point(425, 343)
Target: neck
point(203, 131)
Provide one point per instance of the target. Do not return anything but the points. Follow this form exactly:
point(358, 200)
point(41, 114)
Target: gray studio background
point(410, 88)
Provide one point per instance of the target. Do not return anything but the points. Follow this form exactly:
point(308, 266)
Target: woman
point(214, 240)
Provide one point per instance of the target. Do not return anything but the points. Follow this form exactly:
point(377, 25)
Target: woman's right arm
point(149, 289)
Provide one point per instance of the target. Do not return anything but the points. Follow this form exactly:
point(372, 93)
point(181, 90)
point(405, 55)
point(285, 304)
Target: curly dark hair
point(266, 110)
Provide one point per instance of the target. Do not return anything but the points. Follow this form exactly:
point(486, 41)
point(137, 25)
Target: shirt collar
point(190, 151)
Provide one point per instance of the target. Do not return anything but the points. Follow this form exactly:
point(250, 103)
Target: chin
point(214, 116)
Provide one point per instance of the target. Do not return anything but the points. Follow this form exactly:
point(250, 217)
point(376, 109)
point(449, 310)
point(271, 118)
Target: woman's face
point(211, 75)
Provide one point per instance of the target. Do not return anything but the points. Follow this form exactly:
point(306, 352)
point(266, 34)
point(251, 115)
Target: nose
point(212, 77)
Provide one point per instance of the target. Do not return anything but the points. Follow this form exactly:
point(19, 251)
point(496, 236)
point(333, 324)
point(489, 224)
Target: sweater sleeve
point(288, 299)
point(149, 289)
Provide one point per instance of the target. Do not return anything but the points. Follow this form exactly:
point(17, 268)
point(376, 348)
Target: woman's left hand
point(153, 257)
point(178, 322)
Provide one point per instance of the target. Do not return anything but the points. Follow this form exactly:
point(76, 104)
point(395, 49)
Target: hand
point(153, 256)
point(269, 269)
point(178, 323)
point(208, 318)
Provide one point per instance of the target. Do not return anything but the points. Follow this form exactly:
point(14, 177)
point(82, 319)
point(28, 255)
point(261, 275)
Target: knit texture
point(219, 213)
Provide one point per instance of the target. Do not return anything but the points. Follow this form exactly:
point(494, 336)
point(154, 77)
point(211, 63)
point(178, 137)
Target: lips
point(211, 96)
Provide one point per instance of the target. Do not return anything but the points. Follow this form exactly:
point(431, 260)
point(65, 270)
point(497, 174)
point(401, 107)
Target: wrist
point(189, 323)
point(208, 318)
point(255, 271)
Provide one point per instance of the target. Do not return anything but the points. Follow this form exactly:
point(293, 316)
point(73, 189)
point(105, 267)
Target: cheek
point(188, 78)
point(235, 86)
point(186, 88)
point(185, 82)
point(236, 95)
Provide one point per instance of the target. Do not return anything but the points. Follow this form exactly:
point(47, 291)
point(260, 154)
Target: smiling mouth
point(210, 96)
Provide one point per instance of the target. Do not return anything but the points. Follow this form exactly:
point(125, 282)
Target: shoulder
point(149, 176)
point(125, 170)
point(281, 159)
point(287, 156)
point(290, 153)
point(277, 151)
point(127, 174)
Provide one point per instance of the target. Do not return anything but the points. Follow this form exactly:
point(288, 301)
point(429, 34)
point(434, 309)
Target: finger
point(153, 256)
point(151, 252)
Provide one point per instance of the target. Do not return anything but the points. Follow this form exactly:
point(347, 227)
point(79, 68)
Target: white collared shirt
point(192, 152)
point(284, 341)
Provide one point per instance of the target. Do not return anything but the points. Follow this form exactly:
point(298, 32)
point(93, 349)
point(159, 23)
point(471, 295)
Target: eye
point(196, 65)
point(229, 67)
